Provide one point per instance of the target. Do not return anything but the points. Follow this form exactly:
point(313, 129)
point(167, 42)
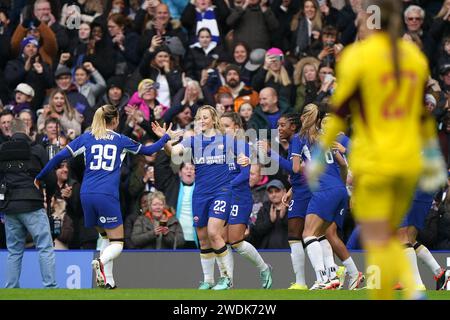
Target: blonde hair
point(281, 76)
point(443, 10)
point(102, 117)
point(68, 110)
point(156, 195)
point(215, 117)
point(309, 118)
point(299, 70)
point(196, 84)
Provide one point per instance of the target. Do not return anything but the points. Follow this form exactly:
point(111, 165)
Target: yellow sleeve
point(332, 128)
point(348, 74)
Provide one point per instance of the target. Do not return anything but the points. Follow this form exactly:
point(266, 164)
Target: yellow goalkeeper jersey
point(387, 116)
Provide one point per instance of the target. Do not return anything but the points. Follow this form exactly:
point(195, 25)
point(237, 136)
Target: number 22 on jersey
point(399, 97)
point(104, 157)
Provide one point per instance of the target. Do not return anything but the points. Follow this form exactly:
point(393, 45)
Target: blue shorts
point(101, 210)
point(417, 214)
point(299, 204)
point(329, 204)
point(240, 209)
point(210, 206)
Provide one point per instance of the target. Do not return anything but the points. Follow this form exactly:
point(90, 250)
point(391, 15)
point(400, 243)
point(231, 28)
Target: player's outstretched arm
point(55, 161)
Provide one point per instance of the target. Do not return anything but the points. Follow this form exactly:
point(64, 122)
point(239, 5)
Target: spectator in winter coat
point(157, 228)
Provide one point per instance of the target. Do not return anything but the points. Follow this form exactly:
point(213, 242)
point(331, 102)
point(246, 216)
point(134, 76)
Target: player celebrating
point(212, 193)
point(384, 94)
point(104, 152)
point(298, 197)
point(242, 201)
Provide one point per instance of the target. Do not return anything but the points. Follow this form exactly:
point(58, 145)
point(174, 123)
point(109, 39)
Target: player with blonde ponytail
point(103, 149)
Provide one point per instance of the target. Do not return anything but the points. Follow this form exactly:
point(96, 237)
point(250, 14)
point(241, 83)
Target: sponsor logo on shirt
point(107, 219)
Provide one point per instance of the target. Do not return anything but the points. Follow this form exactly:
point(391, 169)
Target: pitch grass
point(191, 294)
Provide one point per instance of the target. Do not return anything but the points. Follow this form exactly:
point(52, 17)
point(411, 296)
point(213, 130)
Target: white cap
point(25, 89)
point(430, 98)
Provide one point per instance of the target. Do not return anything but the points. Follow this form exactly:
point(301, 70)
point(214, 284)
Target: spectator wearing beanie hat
point(115, 94)
point(158, 66)
point(29, 68)
point(273, 74)
point(48, 49)
point(237, 88)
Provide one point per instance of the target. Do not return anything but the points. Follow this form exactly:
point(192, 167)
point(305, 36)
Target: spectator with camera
point(157, 228)
point(29, 68)
point(23, 206)
point(130, 219)
point(274, 74)
point(327, 49)
point(328, 82)
point(306, 78)
point(167, 31)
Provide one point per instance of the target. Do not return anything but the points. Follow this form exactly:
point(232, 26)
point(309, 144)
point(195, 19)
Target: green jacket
point(259, 119)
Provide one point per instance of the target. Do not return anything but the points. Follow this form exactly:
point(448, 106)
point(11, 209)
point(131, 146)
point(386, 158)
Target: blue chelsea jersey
point(298, 146)
point(103, 159)
point(211, 157)
point(240, 147)
point(331, 177)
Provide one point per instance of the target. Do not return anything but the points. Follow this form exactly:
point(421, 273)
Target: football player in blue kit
point(104, 151)
point(409, 228)
point(329, 199)
point(241, 200)
point(299, 195)
point(212, 194)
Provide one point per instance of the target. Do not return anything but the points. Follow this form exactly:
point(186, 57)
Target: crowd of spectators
point(160, 60)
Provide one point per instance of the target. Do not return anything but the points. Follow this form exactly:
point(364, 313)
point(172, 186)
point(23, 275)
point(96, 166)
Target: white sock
point(107, 267)
point(225, 261)
point(328, 258)
point(230, 250)
point(207, 260)
point(426, 257)
point(411, 254)
point(314, 250)
point(248, 251)
point(298, 261)
point(350, 266)
point(111, 252)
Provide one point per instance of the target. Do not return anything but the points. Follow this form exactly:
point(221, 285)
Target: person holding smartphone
point(157, 228)
point(274, 74)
